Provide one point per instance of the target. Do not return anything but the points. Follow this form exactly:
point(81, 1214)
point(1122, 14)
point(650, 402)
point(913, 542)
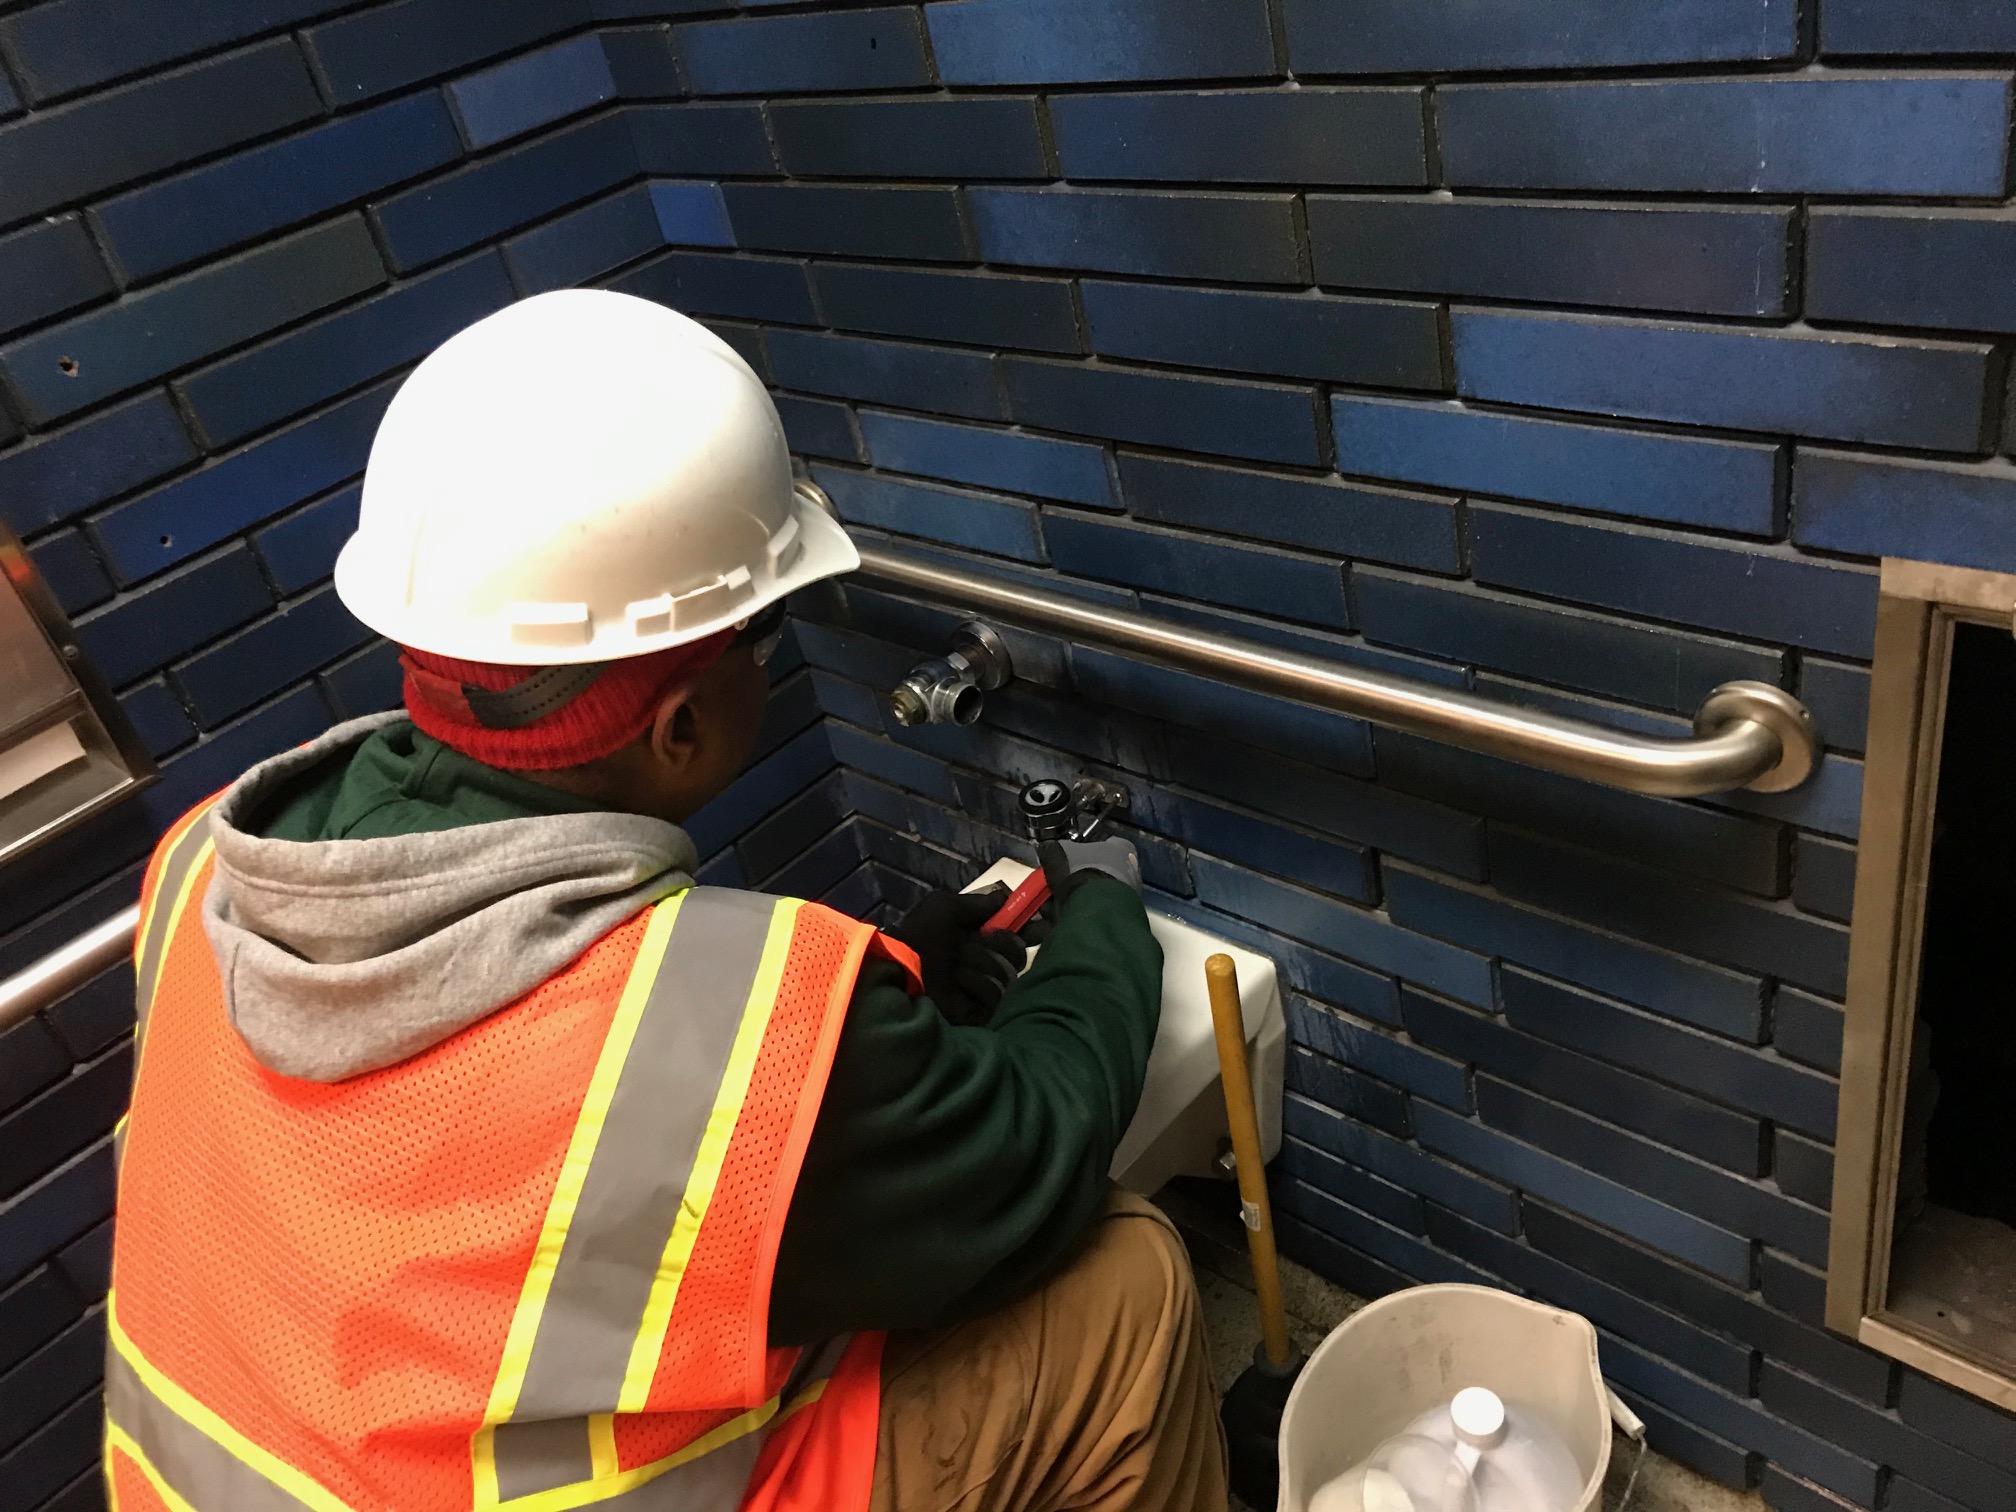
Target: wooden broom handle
point(1221, 977)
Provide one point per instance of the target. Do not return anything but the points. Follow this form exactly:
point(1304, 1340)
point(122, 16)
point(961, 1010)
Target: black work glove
point(966, 973)
point(1070, 864)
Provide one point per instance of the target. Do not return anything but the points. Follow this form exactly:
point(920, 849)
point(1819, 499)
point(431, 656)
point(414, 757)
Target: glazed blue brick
point(1811, 383)
point(1309, 136)
point(1906, 1496)
point(71, 570)
point(1700, 1451)
point(1823, 877)
point(1710, 923)
point(122, 345)
point(301, 550)
point(1942, 1468)
point(1347, 519)
point(1403, 1164)
point(366, 682)
point(981, 309)
point(1915, 134)
point(1689, 480)
point(1003, 527)
point(1324, 644)
point(1070, 470)
point(376, 51)
point(823, 866)
point(1803, 1169)
point(692, 215)
point(700, 139)
point(238, 672)
point(51, 1128)
point(1389, 1246)
point(761, 789)
point(992, 137)
point(532, 90)
point(499, 193)
point(1672, 668)
point(1377, 341)
point(1658, 257)
point(1398, 36)
point(55, 1211)
point(857, 49)
point(62, 1450)
point(1807, 1028)
point(1967, 1423)
point(1378, 1052)
point(1672, 1117)
point(706, 283)
point(816, 428)
point(33, 1313)
point(1753, 1080)
point(747, 342)
point(855, 895)
point(222, 755)
point(1347, 1183)
point(46, 269)
point(724, 870)
point(1316, 861)
point(1258, 578)
point(891, 762)
point(793, 706)
point(33, 1059)
point(94, 460)
point(1784, 1492)
point(781, 837)
point(87, 1261)
point(1917, 26)
point(1829, 801)
point(314, 363)
point(1882, 506)
point(887, 372)
point(158, 717)
point(1911, 268)
point(584, 244)
point(1764, 595)
point(176, 614)
point(1260, 422)
point(1060, 720)
point(60, 156)
point(1237, 238)
point(1363, 1098)
point(909, 222)
point(1690, 991)
point(162, 226)
point(642, 62)
point(173, 523)
point(1097, 41)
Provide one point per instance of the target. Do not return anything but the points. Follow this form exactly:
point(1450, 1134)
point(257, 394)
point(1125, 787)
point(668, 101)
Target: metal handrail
point(69, 966)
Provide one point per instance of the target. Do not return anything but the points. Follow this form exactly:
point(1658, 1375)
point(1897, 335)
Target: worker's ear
point(676, 733)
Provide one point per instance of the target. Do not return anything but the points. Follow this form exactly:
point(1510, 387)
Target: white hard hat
point(579, 477)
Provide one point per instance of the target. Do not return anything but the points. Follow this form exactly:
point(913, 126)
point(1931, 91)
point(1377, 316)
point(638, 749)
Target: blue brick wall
point(1584, 354)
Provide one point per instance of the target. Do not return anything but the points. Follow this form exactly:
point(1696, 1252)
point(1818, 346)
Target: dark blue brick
point(1911, 267)
point(1317, 861)
point(301, 549)
point(176, 614)
point(1399, 36)
point(912, 222)
point(1403, 1164)
point(887, 372)
point(33, 1313)
point(1965, 1422)
point(780, 837)
point(46, 269)
point(170, 524)
point(855, 894)
point(691, 215)
point(1347, 1183)
point(1838, 697)
point(222, 755)
point(748, 344)
point(1900, 507)
point(1239, 238)
point(974, 138)
point(1262, 422)
point(1917, 26)
point(1378, 1052)
point(158, 717)
point(1907, 1496)
point(1309, 136)
point(30, 1059)
point(1070, 470)
point(1766, 595)
point(10, 100)
point(642, 62)
point(1402, 1252)
point(1363, 1098)
point(822, 866)
point(60, 156)
point(43, 1133)
point(706, 283)
point(1681, 989)
point(390, 46)
point(1324, 644)
point(1823, 877)
point(1856, 388)
point(532, 90)
point(584, 244)
point(366, 682)
point(1376, 341)
point(53, 1212)
point(759, 791)
point(1638, 662)
point(1799, 1290)
point(858, 49)
point(1060, 720)
point(1807, 1028)
point(981, 309)
point(1273, 582)
point(701, 139)
point(1003, 527)
point(1715, 925)
point(1690, 480)
point(1705, 1453)
point(877, 757)
point(1344, 1264)
point(59, 1452)
point(1367, 993)
point(120, 346)
point(818, 429)
point(93, 1017)
point(313, 364)
point(1659, 257)
point(1099, 41)
point(72, 571)
point(1802, 1168)
point(1754, 1080)
point(1916, 134)
point(1673, 1118)
point(179, 220)
point(724, 870)
point(1348, 519)
point(1829, 801)
point(1784, 1492)
point(87, 1262)
point(482, 200)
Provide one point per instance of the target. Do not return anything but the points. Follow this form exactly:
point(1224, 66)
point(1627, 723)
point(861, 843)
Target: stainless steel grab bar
point(68, 966)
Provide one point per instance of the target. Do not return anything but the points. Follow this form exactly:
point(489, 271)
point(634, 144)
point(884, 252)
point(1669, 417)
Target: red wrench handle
point(1022, 904)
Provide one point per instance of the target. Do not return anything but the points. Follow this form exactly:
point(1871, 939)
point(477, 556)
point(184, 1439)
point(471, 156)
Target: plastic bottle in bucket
point(1473, 1454)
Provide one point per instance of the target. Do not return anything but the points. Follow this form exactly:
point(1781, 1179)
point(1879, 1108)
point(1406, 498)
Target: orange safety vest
point(527, 1269)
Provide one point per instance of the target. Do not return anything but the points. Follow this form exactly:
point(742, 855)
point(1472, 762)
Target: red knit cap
point(583, 714)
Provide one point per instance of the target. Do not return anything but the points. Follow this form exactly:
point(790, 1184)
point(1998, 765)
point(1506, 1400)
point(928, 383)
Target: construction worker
point(479, 1159)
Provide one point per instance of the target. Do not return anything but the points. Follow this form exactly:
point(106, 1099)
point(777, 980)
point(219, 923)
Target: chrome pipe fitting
point(951, 689)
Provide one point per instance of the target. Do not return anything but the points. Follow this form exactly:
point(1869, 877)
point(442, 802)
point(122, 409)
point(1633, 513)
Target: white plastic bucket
point(1402, 1356)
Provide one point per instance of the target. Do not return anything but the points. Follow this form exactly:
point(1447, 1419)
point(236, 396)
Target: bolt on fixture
point(951, 689)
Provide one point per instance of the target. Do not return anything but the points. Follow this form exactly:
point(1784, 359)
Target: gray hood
point(342, 956)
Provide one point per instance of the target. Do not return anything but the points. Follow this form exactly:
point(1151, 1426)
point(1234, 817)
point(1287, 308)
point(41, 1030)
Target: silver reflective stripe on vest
point(206, 1475)
point(631, 1196)
point(175, 868)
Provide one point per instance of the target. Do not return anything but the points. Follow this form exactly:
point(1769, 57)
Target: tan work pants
point(1091, 1395)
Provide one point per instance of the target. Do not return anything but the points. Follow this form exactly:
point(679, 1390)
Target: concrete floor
point(1232, 1326)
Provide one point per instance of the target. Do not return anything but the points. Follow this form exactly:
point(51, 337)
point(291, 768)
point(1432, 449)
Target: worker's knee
point(1133, 1278)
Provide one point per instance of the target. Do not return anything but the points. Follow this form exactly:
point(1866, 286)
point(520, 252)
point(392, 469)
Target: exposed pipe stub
point(952, 688)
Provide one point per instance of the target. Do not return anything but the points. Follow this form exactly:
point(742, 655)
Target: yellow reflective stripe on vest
point(191, 1456)
point(180, 863)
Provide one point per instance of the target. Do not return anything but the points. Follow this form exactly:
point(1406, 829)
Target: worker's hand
point(1070, 864)
point(966, 973)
